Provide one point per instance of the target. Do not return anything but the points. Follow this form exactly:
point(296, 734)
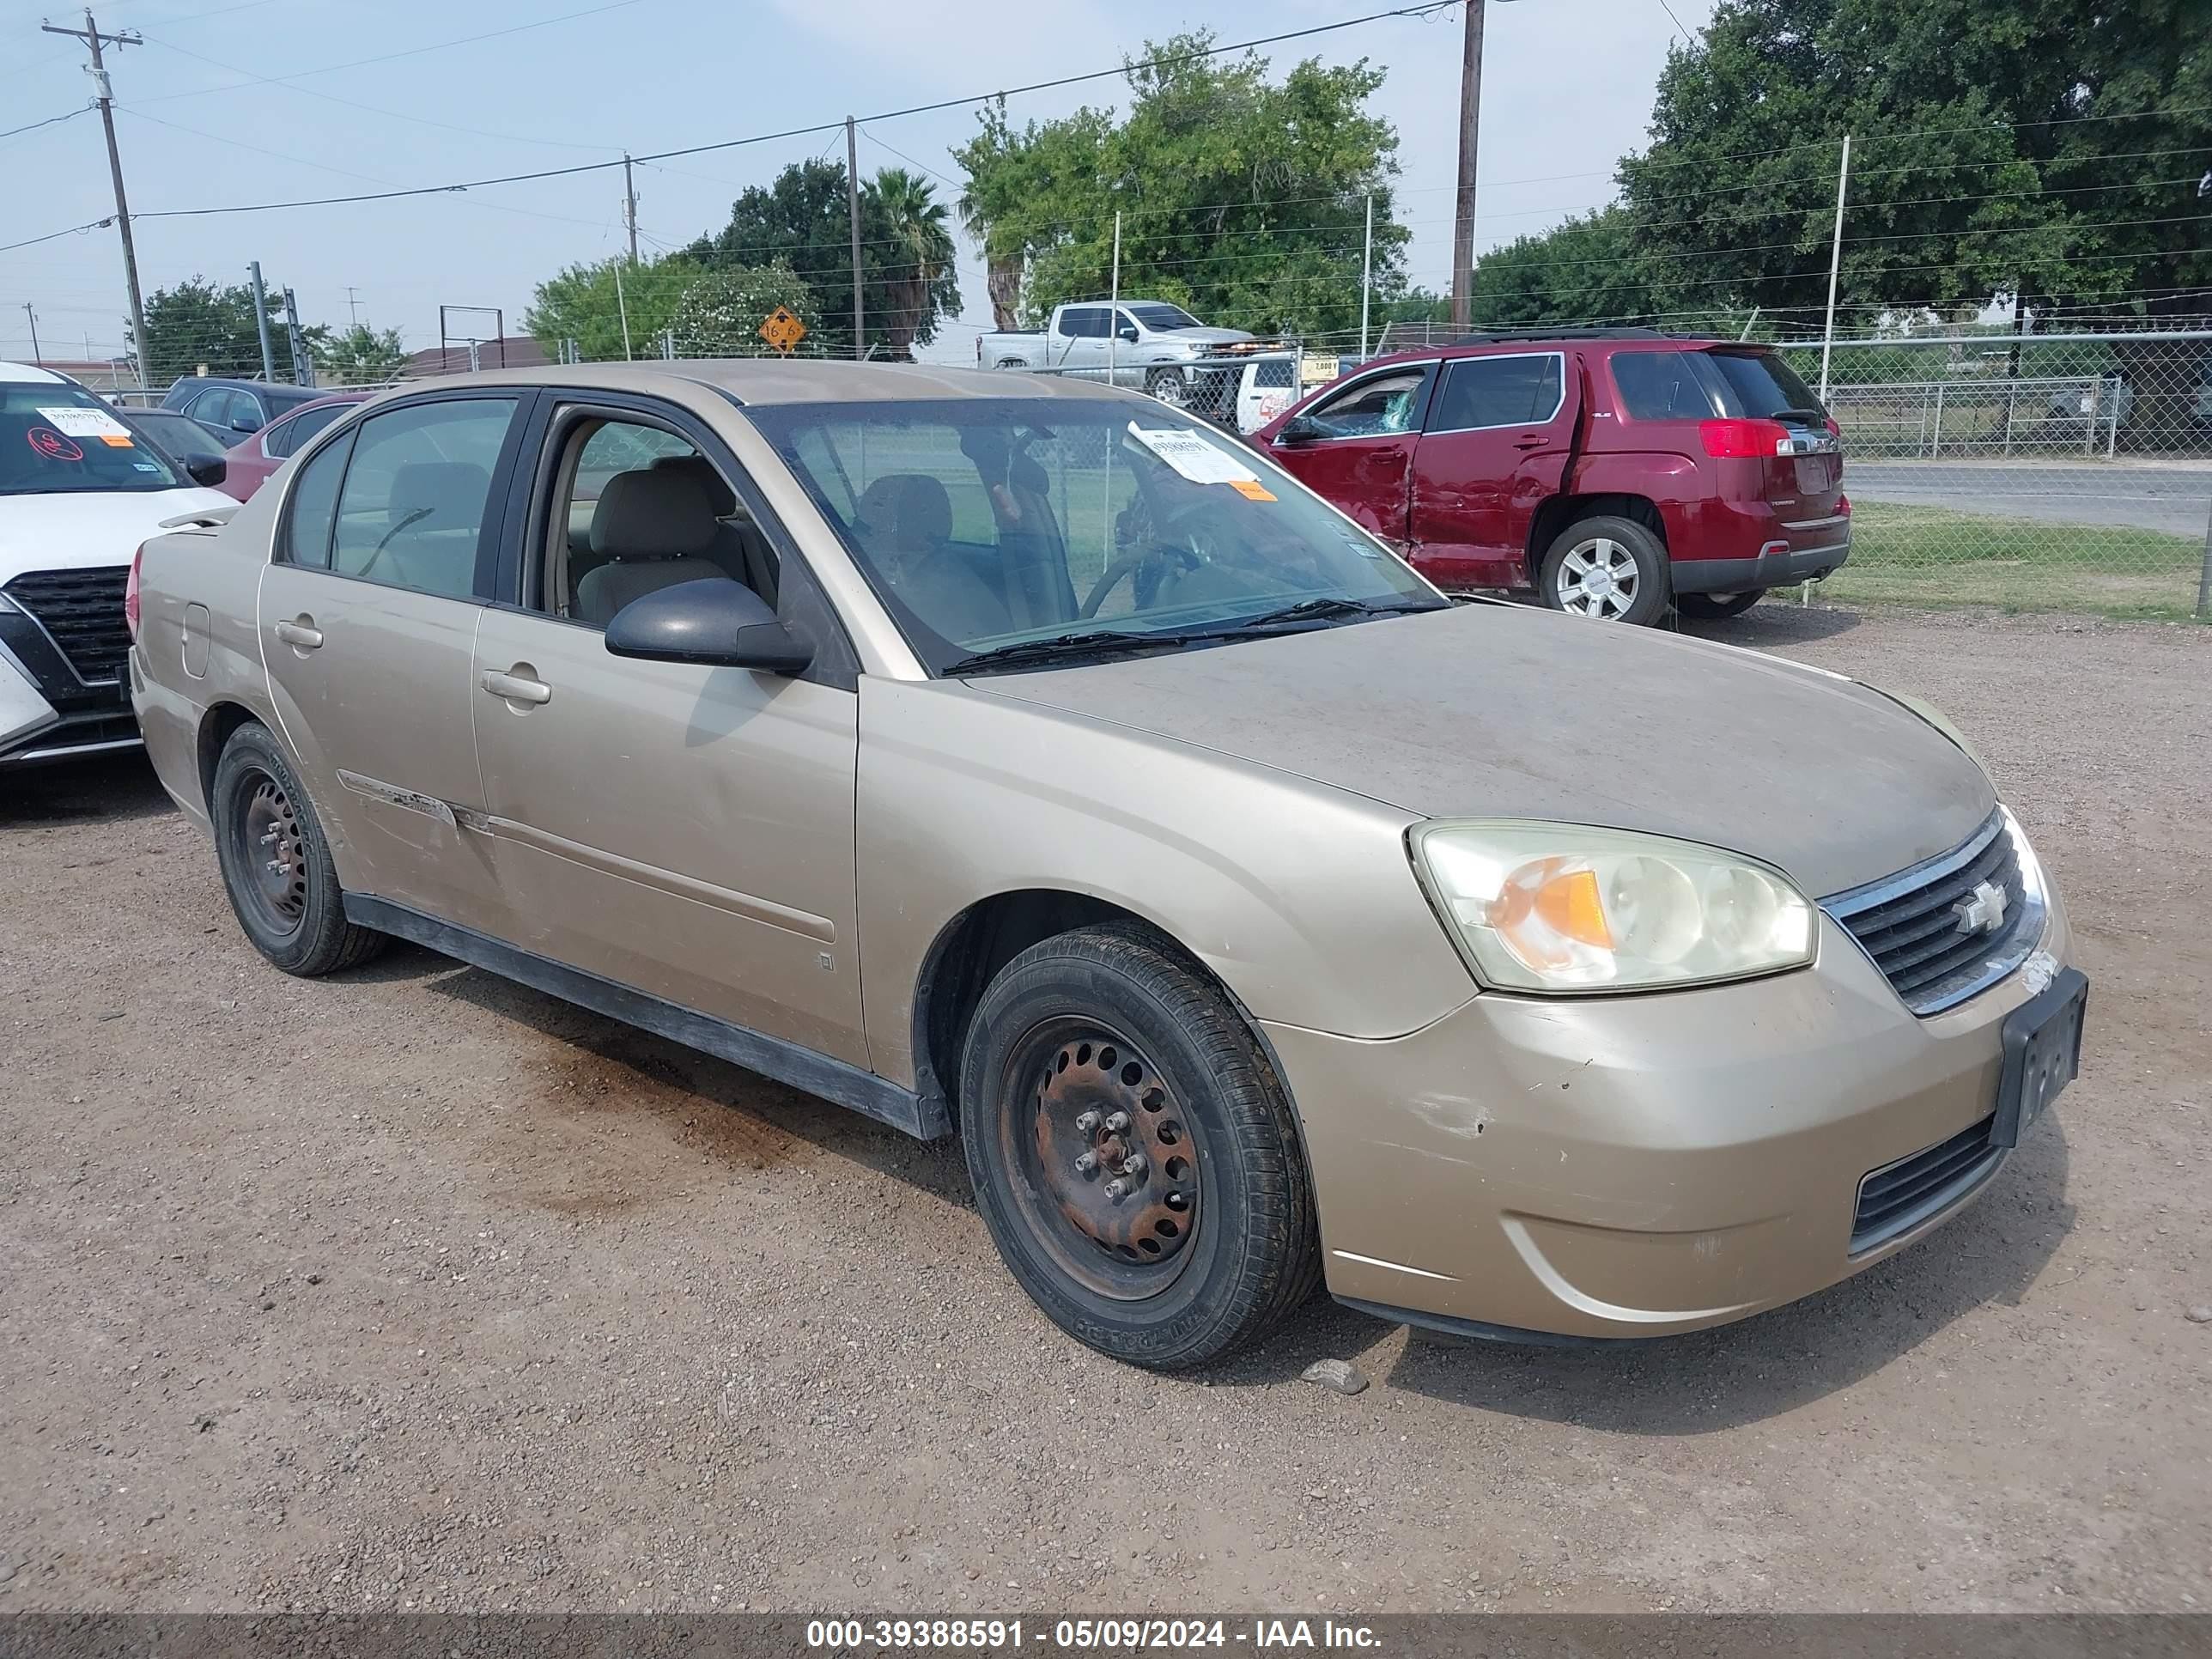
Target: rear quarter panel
point(218, 571)
point(1673, 483)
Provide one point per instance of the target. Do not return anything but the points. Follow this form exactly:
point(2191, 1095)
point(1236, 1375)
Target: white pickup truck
point(1146, 343)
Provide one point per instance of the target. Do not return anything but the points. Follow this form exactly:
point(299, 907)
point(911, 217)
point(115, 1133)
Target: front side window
point(417, 492)
point(60, 440)
point(1485, 391)
point(1377, 408)
point(300, 427)
point(636, 507)
point(1083, 323)
point(1026, 527)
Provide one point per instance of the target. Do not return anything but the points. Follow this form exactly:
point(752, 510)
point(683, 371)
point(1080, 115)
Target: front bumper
point(47, 713)
point(1635, 1166)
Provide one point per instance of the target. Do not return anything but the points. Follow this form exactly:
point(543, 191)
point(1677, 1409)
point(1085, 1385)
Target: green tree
point(2000, 152)
point(360, 356)
point(588, 303)
point(918, 252)
point(1588, 270)
point(1241, 198)
point(802, 219)
point(720, 312)
point(198, 322)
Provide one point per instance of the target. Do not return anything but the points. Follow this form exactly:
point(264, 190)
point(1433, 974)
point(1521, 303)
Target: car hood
point(1501, 711)
point(68, 530)
point(1204, 335)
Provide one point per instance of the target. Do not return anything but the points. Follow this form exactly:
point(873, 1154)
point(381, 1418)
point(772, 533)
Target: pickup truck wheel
point(1713, 607)
point(1611, 568)
point(276, 864)
point(1171, 387)
point(1132, 1156)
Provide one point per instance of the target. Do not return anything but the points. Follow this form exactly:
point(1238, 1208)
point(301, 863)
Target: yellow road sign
point(783, 330)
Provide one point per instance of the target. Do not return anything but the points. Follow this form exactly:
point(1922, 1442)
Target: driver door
point(1359, 455)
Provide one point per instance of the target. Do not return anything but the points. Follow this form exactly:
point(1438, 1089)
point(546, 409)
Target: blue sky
point(1567, 87)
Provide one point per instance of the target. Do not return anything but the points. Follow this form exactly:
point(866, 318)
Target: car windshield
point(1156, 313)
point(1029, 530)
point(56, 440)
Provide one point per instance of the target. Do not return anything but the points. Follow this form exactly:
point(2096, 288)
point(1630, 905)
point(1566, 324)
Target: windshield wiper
point(1319, 609)
point(1096, 641)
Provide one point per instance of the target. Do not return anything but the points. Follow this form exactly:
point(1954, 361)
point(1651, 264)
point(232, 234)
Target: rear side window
point(1665, 386)
point(312, 509)
point(1484, 391)
point(417, 492)
point(1088, 322)
point(1760, 385)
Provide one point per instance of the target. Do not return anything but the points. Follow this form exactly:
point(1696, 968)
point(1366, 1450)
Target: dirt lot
point(415, 1289)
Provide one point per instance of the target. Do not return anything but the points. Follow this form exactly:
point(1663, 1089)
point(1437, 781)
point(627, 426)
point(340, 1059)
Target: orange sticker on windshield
point(1251, 490)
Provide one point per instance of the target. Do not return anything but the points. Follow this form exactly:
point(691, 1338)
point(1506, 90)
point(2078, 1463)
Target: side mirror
point(1298, 429)
point(245, 425)
point(209, 470)
point(715, 621)
point(1128, 333)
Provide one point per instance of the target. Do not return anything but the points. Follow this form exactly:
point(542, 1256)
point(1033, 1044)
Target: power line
point(51, 121)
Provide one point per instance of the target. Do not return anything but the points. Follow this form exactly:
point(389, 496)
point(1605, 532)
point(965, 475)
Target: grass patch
point(1936, 556)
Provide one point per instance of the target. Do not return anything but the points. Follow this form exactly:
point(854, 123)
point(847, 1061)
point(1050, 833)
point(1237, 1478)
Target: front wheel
point(1715, 607)
point(1171, 387)
point(1611, 568)
point(1132, 1154)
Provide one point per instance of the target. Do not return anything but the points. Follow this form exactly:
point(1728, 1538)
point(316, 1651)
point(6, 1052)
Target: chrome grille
point(1925, 928)
point(82, 611)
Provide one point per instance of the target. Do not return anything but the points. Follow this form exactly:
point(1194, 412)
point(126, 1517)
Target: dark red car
point(251, 460)
point(1614, 470)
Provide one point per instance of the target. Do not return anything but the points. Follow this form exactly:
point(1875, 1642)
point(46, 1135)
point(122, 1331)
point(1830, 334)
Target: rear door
point(1500, 433)
point(1080, 339)
point(1353, 446)
point(385, 546)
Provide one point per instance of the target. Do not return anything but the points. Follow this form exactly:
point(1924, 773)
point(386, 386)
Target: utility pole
point(33, 316)
point(1366, 273)
point(853, 213)
point(1835, 264)
point(303, 360)
point(630, 206)
point(105, 91)
point(353, 305)
point(1470, 120)
point(261, 320)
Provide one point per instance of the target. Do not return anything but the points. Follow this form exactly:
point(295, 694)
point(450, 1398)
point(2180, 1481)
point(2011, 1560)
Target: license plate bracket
point(2042, 1054)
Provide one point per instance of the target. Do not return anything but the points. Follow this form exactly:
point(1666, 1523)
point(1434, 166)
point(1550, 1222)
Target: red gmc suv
point(1616, 471)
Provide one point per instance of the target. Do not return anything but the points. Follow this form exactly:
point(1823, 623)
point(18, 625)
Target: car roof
point(32, 374)
point(769, 381)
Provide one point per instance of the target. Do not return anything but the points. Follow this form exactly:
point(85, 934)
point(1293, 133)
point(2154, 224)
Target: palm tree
point(921, 254)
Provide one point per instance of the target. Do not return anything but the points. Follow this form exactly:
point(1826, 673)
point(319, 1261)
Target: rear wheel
point(1132, 1154)
point(1611, 568)
point(276, 864)
point(1713, 607)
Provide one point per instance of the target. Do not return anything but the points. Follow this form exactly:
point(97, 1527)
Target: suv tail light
point(1743, 440)
point(130, 594)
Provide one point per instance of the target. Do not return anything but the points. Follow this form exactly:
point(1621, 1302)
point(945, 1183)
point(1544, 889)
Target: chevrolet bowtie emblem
point(1982, 910)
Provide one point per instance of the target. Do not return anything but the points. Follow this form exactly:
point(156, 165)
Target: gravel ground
point(414, 1289)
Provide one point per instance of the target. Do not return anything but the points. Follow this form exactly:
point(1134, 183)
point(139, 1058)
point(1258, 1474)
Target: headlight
point(1559, 907)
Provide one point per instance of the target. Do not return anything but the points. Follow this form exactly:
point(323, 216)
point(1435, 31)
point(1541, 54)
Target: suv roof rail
point(1512, 334)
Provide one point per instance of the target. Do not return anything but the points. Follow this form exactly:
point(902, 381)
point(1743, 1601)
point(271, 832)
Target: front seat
point(651, 529)
point(905, 524)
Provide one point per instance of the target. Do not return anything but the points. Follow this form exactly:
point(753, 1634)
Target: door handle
point(515, 688)
point(302, 633)
point(1530, 440)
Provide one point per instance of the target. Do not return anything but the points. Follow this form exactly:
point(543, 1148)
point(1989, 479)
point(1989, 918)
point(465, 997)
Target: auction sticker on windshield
point(79, 423)
point(1192, 456)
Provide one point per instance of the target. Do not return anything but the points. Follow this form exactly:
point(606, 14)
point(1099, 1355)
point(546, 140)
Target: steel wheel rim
point(270, 850)
point(1598, 578)
point(1171, 390)
point(1087, 1113)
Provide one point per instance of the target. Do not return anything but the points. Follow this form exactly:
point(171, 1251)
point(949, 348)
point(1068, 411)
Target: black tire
point(1170, 385)
point(1236, 1248)
point(294, 914)
point(1645, 553)
point(1717, 607)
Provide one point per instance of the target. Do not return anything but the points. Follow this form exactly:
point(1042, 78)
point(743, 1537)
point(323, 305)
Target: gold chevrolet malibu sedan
point(1022, 760)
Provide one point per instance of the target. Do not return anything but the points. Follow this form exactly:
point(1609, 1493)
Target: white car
point(78, 494)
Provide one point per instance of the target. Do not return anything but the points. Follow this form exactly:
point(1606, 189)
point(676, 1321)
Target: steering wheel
point(1158, 552)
